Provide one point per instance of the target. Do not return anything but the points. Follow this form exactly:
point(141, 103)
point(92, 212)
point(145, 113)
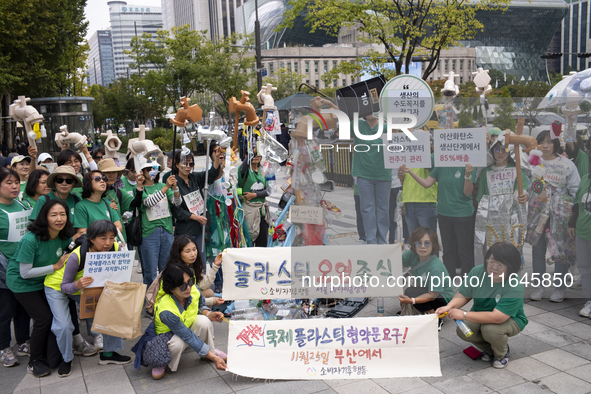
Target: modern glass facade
point(576, 35)
point(100, 65)
point(512, 41)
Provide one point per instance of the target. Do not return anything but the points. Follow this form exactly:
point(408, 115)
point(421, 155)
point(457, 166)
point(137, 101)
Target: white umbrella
point(572, 89)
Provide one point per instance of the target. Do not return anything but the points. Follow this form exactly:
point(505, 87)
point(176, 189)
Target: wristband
point(467, 177)
point(465, 313)
point(207, 314)
point(413, 301)
point(176, 190)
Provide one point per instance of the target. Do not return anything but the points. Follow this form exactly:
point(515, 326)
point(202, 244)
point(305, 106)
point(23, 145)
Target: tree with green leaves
point(402, 29)
point(504, 114)
point(286, 81)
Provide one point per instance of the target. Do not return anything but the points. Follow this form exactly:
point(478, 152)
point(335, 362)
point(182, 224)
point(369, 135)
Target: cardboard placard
point(89, 298)
point(305, 214)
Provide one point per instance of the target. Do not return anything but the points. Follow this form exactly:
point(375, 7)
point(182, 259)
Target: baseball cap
point(44, 156)
point(18, 159)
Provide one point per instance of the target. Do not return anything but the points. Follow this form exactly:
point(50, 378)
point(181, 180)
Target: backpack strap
point(108, 210)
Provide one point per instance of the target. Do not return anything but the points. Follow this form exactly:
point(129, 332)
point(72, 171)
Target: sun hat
point(63, 170)
point(108, 165)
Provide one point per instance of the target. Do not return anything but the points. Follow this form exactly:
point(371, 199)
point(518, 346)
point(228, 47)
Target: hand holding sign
point(83, 282)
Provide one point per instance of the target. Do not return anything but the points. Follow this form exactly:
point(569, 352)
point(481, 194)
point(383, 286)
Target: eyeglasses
point(492, 263)
point(98, 158)
point(100, 178)
point(187, 285)
point(498, 149)
point(426, 244)
point(59, 179)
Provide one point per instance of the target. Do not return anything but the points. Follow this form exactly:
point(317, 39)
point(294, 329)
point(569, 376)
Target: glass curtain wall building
point(100, 66)
point(125, 22)
point(576, 35)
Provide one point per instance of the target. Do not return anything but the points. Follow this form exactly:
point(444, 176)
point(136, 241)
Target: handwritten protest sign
point(555, 173)
point(458, 147)
point(113, 266)
point(360, 348)
point(194, 202)
point(501, 181)
point(158, 211)
point(313, 272)
point(304, 214)
point(402, 150)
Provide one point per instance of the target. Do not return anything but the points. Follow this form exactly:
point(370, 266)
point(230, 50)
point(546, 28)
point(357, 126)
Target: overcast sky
point(97, 13)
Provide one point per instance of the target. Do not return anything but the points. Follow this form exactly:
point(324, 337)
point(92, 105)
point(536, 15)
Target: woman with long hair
point(40, 253)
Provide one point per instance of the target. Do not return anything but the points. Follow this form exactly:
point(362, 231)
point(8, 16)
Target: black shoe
point(39, 369)
point(65, 369)
point(440, 324)
point(115, 358)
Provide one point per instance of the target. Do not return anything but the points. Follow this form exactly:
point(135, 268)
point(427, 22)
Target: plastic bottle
point(271, 182)
point(380, 304)
point(269, 121)
point(464, 328)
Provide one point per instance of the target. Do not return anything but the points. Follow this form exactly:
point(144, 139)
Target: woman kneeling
point(181, 319)
point(497, 313)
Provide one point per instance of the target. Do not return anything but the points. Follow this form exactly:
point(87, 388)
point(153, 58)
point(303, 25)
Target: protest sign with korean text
point(458, 147)
point(113, 266)
point(402, 150)
point(359, 348)
point(312, 272)
point(305, 214)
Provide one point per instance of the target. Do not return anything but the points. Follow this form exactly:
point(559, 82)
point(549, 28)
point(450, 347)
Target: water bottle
point(269, 121)
point(464, 328)
point(380, 304)
point(271, 182)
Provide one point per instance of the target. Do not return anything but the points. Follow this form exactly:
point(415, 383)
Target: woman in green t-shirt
point(93, 207)
point(40, 252)
point(154, 201)
point(497, 313)
point(129, 180)
point(434, 288)
point(13, 221)
point(36, 186)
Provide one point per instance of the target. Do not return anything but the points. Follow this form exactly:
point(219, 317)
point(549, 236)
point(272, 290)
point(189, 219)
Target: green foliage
point(287, 83)
point(402, 28)
point(465, 118)
point(504, 119)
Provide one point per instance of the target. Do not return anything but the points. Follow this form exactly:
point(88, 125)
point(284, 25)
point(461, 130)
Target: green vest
point(55, 280)
point(167, 303)
point(252, 179)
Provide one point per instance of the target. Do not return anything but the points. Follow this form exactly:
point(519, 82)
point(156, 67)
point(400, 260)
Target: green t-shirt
point(370, 164)
point(148, 226)
point(128, 188)
point(70, 202)
point(42, 254)
point(88, 212)
point(452, 201)
point(126, 200)
point(489, 296)
point(483, 181)
point(8, 248)
point(22, 193)
point(413, 192)
point(255, 182)
point(434, 273)
point(583, 225)
point(28, 200)
point(582, 163)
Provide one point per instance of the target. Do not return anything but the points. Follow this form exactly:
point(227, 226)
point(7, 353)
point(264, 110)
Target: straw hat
point(63, 170)
point(108, 165)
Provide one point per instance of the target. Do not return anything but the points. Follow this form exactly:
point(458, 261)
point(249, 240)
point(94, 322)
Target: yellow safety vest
point(55, 280)
point(167, 303)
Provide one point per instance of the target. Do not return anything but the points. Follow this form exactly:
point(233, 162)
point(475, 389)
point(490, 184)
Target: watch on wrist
point(465, 313)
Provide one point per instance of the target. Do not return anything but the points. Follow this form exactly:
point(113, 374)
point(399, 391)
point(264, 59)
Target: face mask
point(153, 173)
point(132, 182)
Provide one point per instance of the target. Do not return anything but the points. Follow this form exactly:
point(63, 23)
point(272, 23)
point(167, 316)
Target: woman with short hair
point(36, 186)
point(497, 312)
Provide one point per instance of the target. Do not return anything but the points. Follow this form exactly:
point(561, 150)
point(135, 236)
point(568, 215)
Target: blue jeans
point(374, 197)
point(420, 214)
point(62, 326)
point(393, 196)
point(155, 250)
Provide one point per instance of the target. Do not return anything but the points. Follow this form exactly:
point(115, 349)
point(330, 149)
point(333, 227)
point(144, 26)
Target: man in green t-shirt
point(373, 180)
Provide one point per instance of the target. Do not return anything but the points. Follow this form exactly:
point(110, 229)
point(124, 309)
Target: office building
point(100, 66)
point(576, 36)
point(127, 21)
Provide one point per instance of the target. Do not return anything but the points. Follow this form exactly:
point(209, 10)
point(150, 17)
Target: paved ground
point(552, 354)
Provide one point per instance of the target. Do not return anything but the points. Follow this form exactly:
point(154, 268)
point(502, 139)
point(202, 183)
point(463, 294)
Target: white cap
point(43, 156)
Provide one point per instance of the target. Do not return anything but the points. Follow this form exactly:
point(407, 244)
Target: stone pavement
point(552, 354)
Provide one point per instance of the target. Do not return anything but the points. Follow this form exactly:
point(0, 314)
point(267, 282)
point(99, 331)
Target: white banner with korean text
point(359, 348)
point(458, 147)
point(313, 272)
point(113, 266)
point(402, 150)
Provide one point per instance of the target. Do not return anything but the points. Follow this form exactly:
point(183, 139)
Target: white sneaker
point(139, 269)
point(98, 342)
point(558, 295)
point(586, 311)
point(537, 294)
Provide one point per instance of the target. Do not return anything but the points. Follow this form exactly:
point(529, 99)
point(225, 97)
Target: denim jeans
point(359, 217)
point(457, 238)
point(421, 214)
point(393, 225)
point(62, 326)
point(539, 262)
point(155, 250)
point(374, 197)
